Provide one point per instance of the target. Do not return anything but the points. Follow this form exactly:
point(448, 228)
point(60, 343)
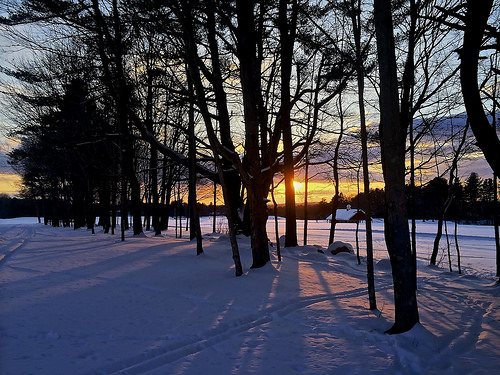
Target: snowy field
point(76, 303)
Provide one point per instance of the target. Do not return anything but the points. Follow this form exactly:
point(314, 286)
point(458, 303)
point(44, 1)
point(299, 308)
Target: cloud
point(10, 183)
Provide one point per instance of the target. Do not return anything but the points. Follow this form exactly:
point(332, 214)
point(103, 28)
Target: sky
point(9, 181)
point(320, 187)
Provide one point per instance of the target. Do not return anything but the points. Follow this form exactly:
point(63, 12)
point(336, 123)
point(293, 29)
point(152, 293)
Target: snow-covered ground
point(76, 303)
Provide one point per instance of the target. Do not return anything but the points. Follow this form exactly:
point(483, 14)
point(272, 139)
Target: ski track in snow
point(13, 240)
point(158, 358)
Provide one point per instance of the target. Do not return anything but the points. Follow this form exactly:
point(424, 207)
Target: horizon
point(318, 190)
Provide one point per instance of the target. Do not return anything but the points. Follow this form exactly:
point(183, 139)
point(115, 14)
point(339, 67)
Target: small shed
point(348, 215)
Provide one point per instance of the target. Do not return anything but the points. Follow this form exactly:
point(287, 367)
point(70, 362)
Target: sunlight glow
point(298, 185)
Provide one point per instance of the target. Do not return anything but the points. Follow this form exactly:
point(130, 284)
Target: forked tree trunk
point(255, 179)
point(393, 139)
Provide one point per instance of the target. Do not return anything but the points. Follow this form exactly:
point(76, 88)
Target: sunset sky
point(9, 181)
point(319, 188)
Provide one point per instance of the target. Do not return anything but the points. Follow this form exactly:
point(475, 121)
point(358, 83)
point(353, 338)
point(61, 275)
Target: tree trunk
point(448, 245)
point(412, 200)
point(357, 222)
point(231, 174)
point(257, 185)
point(406, 115)
point(120, 91)
point(336, 178)
point(333, 223)
point(195, 228)
point(360, 72)
point(306, 208)
point(437, 239)
point(179, 205)
point(457, 248)
point(89, 210)
point(476, 20)
point(393, 137)
point(135, 187)
point(496, 222)
point(114, 193)
point(214, 222)
point(276, 227)
point(147, 200)
point(78, 209)
point(153, 161)
point(258, 236)
point(165, 193)
point(287, 38)
point(194, 73)
point(123, 204)
point(449, 198)
point(105, 205)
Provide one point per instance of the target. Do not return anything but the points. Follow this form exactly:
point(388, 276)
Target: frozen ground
point(76, 303)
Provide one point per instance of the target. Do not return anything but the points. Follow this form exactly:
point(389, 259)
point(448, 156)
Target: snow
point(344, 214)
point(345, 246)
point(76, 303)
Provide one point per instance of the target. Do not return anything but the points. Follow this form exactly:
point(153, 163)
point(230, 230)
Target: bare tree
point(360, 53)
point(451, 180)
point(193, 63)
point(336, 179)
point(194, 215)
point(393, 137)
point(288, 29)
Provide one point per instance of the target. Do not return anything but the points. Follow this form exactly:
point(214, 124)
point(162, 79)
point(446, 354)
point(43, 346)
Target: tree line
point(129, 103)
point(473, 204)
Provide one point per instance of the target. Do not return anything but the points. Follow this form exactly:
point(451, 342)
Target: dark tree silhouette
point(393, 137)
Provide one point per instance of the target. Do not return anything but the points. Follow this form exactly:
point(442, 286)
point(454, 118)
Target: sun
point(298, 185)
